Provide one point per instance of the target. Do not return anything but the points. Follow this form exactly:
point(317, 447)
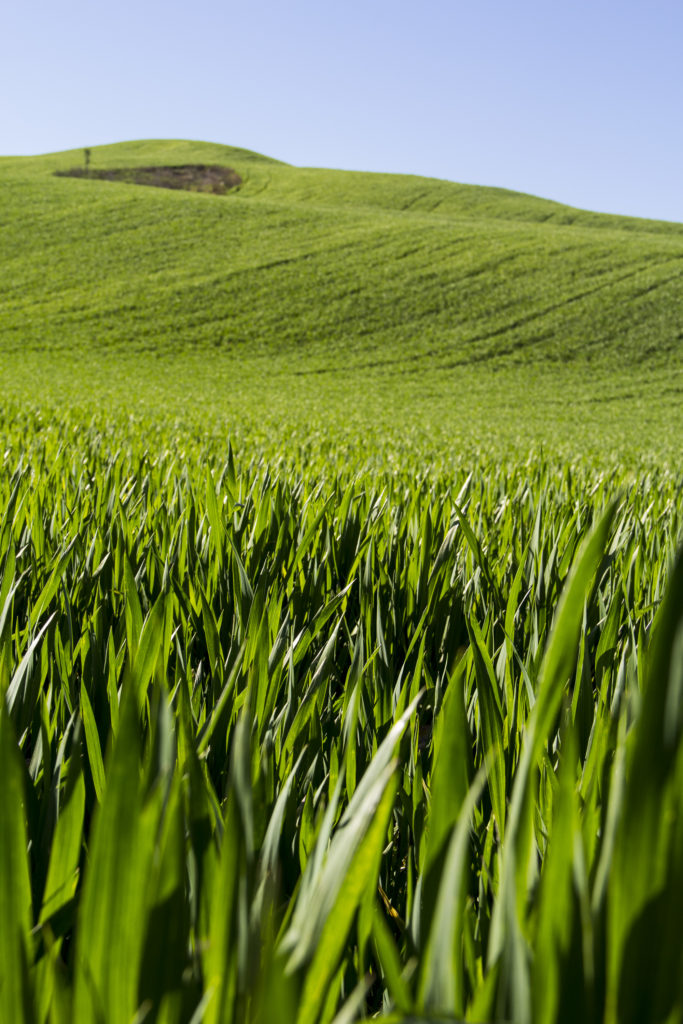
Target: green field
point(311, 298)
point(341, 616)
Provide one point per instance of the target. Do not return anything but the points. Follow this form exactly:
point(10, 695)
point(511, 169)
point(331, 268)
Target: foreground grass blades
point(297, 743)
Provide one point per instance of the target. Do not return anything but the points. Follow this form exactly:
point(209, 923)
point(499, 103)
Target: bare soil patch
point(191, 177)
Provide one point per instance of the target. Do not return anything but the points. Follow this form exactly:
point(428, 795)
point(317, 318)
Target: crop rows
point(312, 298)
point(355, 269)
point(288, 742)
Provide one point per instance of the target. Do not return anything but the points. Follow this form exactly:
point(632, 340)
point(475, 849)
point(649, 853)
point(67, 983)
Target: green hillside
point(329, 295)
point(341, 599)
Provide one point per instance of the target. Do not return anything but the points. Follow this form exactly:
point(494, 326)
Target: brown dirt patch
point(191, 177)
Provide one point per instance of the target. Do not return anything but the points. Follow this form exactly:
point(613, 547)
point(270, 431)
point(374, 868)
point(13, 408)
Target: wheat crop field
point(341, 599)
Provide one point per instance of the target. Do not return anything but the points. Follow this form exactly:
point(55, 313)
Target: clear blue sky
point(577, 101)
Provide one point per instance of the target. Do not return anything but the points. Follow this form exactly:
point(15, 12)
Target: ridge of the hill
point(282, 182)
point(412, 289)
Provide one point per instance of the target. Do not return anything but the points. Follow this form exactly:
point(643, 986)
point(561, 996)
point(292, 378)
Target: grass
point(340, 603)
point(477, 309)
point(362, 739)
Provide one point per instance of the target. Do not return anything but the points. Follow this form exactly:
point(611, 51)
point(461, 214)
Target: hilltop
point(303, 292)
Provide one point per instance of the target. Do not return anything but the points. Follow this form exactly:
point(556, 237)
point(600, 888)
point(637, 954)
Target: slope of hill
point(340, 626)
point(474, 309)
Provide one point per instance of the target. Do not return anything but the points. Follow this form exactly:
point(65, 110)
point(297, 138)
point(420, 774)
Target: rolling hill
point(371, 301)
point(340, 610)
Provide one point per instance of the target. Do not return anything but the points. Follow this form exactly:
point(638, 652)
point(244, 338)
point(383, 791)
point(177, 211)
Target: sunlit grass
point(501, 318)
point(280, 735)
point(340, 615)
